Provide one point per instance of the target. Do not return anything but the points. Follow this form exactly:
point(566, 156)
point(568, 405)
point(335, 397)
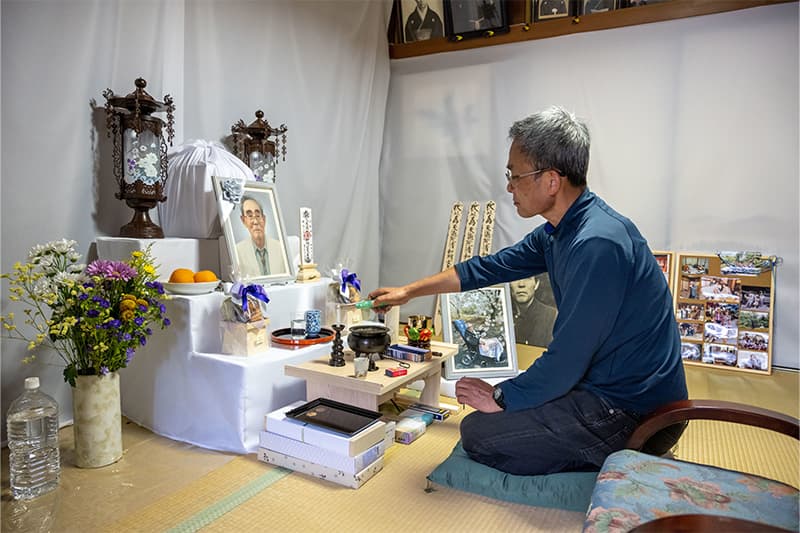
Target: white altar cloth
point(180, 386)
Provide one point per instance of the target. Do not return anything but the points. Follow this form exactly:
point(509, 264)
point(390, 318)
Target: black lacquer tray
point(333, 415)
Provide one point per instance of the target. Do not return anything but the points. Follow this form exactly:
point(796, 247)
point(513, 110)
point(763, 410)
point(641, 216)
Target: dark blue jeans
point(573, 433)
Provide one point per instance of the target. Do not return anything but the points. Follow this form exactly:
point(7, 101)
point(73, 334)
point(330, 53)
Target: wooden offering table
point(340, 383)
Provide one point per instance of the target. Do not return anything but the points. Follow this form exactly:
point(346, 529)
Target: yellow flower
point(142, 302)
point(137, 254)
point(14, 298)
point(127, 314)
point(149, 269)
point(127, 305)
point(31, 345)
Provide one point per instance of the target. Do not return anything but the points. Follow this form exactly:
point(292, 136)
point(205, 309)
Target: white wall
point(695, 138)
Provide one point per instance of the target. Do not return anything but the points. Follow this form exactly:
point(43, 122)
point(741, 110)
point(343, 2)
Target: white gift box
point(306, 452)
point(277, 422)
point(245, 338)
point(323, 472)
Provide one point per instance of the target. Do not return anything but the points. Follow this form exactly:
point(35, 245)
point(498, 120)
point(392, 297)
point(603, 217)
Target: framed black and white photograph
point(464, 19)
point(481, 324)
point(254, 230)
point(551, 9)
point(589, 7)
point(421, 20)
point(534, 310)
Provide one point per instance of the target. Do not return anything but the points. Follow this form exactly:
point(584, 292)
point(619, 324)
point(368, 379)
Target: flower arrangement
point(94, 318)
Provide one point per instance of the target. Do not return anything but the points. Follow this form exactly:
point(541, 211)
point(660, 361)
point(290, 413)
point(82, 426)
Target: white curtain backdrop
point(695, 138)
point(320, 67)
point(695, 126)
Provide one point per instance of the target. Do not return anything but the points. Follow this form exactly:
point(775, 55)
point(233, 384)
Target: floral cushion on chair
point(633, 488)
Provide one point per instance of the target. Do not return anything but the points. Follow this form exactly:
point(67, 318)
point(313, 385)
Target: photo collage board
point(724, 312)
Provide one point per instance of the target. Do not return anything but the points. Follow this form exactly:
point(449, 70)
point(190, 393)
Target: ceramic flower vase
point(97, 413)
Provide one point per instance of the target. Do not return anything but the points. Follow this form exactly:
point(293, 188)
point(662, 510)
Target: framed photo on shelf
point(724, 312)
point(464, 19)
point(254, 231)
point(481, 324)
point(551, 9)
point(421, 20)
point(666, 260)
point(589, 7)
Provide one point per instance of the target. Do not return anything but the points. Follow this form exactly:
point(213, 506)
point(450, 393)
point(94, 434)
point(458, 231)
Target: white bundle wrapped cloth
point(191, 207)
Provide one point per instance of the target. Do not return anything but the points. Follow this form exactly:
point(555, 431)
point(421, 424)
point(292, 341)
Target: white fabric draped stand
point(180, 386)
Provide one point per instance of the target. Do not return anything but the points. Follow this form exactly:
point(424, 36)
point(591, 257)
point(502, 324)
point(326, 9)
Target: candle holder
point(337, 354)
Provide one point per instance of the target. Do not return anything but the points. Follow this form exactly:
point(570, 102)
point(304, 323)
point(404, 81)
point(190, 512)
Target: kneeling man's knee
point(471, 429)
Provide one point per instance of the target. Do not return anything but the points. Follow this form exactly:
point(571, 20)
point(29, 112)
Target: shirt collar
point(574, 212)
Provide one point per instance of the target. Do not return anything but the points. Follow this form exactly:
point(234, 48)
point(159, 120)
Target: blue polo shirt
point(615, 333)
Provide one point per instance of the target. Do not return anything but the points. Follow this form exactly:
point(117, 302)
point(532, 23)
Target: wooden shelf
point(674, 9)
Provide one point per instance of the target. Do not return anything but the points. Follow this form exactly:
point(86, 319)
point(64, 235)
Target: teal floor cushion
point(634, 488)
point(566, 490)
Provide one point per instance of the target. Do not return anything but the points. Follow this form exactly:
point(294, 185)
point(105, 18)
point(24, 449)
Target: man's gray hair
point(555, 138)
point(247, 197)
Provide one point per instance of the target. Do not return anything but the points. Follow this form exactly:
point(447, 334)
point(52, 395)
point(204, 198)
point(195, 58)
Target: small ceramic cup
point(361, 365)
point(313, 318)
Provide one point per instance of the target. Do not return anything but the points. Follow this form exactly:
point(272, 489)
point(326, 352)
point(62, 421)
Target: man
point(258, 255)
point(615, 354)
point(533, 320)
point(423, 23)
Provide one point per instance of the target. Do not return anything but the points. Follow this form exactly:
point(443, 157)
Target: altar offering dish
point(191, 289)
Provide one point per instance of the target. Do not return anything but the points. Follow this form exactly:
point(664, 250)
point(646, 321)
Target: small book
point(438, 413)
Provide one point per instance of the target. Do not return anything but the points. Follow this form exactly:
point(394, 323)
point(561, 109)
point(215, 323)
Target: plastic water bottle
point(34, 460)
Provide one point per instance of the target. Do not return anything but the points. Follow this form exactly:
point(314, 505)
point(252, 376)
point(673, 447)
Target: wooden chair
point(643, 493)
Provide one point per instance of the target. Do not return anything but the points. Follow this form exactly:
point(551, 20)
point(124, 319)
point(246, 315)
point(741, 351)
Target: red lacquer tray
point(283, 337)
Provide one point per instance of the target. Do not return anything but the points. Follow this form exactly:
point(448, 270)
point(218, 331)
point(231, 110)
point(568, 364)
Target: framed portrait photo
point(551, 9)
point(465, 19)
point(254, 231)
point(589, 7)
point(421, 20)
point(666, 262)
point(480, 323)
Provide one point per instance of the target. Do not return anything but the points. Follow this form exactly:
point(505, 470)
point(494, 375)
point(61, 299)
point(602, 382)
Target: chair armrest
point(684, 410)
point(704, 522)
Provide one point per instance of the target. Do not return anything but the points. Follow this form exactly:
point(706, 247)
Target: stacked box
point(348, 460)
point(245, 338)
point(408, 430)
point(408, 353)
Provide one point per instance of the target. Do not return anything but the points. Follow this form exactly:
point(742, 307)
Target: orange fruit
point(181, 275)
point(205, 275)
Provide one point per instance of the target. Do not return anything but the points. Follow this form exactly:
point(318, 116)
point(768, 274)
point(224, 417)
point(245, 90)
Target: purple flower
point(113, 323)
point(104, 370)
point(148, 331)
point(166, 322)
point(126, 337)
point(142, 308)
point(142, 340)
point(92, 313)
point(138, 321)
point(102, 301)
point(82, 296)
point(128, 355)
point(162, 308)
point(155, 285)
point(111, 269)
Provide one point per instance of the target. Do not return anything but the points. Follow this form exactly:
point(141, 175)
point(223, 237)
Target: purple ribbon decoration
point(256, 291)
point(349, 278)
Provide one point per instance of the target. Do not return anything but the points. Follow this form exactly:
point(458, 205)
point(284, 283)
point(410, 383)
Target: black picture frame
point(589, 7)
point(552, 9)
point(412, 28)
point(466, 19)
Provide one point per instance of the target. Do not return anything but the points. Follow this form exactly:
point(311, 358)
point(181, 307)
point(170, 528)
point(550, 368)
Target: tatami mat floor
point(161, 484)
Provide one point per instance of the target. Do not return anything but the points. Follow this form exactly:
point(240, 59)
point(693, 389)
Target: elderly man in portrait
point(258, 254)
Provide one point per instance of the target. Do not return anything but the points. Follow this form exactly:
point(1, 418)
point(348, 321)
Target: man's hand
point(385, 297)
point(477, 394)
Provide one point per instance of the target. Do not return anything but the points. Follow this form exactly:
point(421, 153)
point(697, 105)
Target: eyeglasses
point(253, 214)
point(513, 178)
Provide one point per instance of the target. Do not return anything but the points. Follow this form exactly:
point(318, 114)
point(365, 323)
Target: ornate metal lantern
point(140, 154)
point(258, 145)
